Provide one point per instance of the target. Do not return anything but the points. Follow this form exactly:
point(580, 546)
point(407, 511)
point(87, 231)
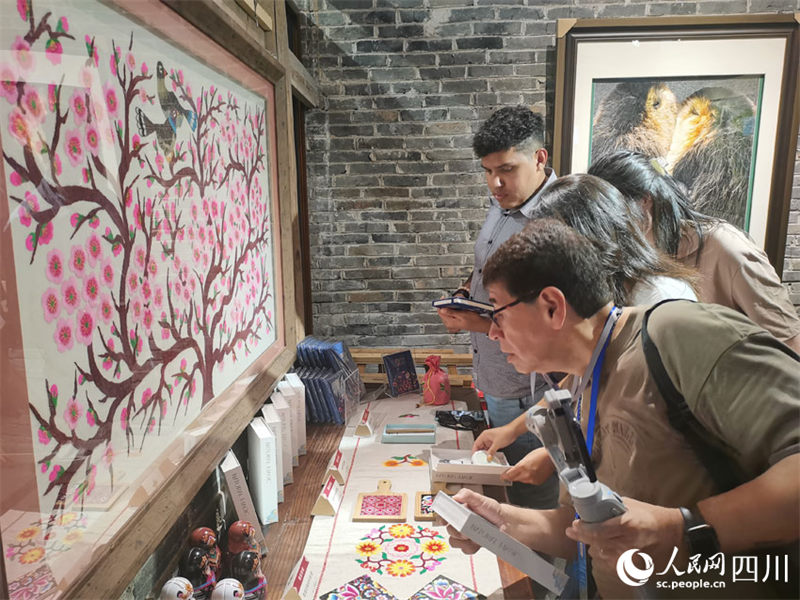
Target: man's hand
point(653, 529)
point(494, 439)
point(535, 468)
point(463, 320)
point(489, 509)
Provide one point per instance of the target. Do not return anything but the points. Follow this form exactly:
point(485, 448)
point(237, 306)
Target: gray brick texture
point(396, 197)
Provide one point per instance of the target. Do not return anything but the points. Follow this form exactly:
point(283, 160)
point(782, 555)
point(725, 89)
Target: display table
point(403, 559)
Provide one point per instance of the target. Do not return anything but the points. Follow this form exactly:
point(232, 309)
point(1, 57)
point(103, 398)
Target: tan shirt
point(736, 273)
point(636, 451)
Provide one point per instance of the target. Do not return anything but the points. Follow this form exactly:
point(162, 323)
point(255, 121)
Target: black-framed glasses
point(524, 298)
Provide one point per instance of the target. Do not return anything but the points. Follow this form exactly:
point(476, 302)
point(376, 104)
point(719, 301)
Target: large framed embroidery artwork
point(141, 279)
point(710, 98)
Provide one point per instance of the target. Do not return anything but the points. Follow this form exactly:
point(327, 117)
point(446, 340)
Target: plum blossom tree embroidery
point(167, 272)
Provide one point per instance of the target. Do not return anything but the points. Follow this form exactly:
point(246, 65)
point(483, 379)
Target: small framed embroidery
point(383, 505)
point(422, 507)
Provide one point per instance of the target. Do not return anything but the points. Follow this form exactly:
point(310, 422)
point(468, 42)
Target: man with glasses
point(555, 313)
point(510, 147)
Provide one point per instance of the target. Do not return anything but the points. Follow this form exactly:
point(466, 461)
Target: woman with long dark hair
point(640, 274)
point(733, 271)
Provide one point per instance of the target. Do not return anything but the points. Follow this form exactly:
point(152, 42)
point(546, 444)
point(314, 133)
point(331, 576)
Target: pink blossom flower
point(33, 105)
point(92, 289)
point(152, 268)
point(51, 304)
point(78, 104)
point(74, 147)
point(92, 472)
point(92, 139)
point(23, 54)
point(57, 163)
point(151, 425)
point(44, 436)
point(56, 471)
point(146, 290)
point(131, 61)
point(147, 320)
point(8, 83)
point(146, 395)
point(140, 254)
point(116, 248)
point(91, 418)
point(133, 282)
point(77, 261)
point(106, 308)
point(19, 127)
point(137, 308)
point(73, 413)
point(53, 51)
point(110, 95)
point(123, 419)
point(165, 335)
point(107, 272)
point(94, 248)
point(69, 291)
point(108, 455)
point(22, 9)
point(63, 24)
point(63, 335)
point(112, 63)
point(145, 69)
point(85, 328)
point(94, 222)
point(158, 297)
point(46, 234)
point(136, 142)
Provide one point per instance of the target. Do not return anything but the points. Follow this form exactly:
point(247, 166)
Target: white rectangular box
point(240, 494)
point(263, 469)
point(285, 415)
point(498, 542)
point(273, 421)
point(298, 426)
point(300, 393)
point(443, 469)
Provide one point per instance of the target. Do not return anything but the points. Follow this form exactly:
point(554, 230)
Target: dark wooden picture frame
point(778, 118)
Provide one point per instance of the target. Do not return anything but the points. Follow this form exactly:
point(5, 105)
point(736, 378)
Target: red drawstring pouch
point(436, 383)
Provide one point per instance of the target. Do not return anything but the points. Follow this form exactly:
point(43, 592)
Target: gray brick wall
point(396, 196)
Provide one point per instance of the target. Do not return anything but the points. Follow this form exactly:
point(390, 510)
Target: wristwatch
point(700, 536)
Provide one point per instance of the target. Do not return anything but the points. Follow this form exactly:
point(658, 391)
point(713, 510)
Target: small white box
point(264, 470)
point(273, 421)
point(293, 381)
point(285, 415)
point(444, 469)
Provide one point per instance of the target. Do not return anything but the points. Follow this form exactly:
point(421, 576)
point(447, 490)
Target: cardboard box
point(442, 470)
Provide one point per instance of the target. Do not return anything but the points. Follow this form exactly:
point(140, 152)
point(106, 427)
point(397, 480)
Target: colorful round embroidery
point(401, 550)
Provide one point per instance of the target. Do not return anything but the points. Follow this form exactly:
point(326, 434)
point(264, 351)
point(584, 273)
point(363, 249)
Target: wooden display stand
point(369, 358)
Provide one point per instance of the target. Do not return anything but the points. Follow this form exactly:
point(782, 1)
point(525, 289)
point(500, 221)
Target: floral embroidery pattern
point(46, 537)
point(414, 461)
point(444, 588)
point(362, 587)
point(139, 189)
point(379, 504)
point(401, 550)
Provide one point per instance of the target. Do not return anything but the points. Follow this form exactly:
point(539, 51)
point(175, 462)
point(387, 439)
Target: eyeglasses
point(524, 298)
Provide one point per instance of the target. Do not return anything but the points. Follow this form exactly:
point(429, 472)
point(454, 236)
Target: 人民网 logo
point(629, 573)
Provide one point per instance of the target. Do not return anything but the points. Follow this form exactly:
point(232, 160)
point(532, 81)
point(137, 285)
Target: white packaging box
point(273, 421)
point(298, 425)
point(292, 380)
point(285, 415)
point(240, 494)
point(262, 448)
point(441, 470)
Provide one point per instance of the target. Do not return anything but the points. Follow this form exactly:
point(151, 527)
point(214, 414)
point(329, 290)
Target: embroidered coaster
point(383, 505)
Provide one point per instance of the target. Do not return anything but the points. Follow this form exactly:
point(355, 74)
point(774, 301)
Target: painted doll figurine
point(228, 589)
point(246, 567)
point(196, 568)
point(241, 537)
point(205, 538)
point(177, 588)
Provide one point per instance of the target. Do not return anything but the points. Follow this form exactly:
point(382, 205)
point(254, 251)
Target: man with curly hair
point(510, 145)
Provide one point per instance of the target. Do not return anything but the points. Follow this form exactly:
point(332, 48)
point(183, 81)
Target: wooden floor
point(287, 538)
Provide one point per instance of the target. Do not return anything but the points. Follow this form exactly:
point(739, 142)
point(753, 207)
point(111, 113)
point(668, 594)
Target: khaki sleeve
point(751, 399)
point(758, 291)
